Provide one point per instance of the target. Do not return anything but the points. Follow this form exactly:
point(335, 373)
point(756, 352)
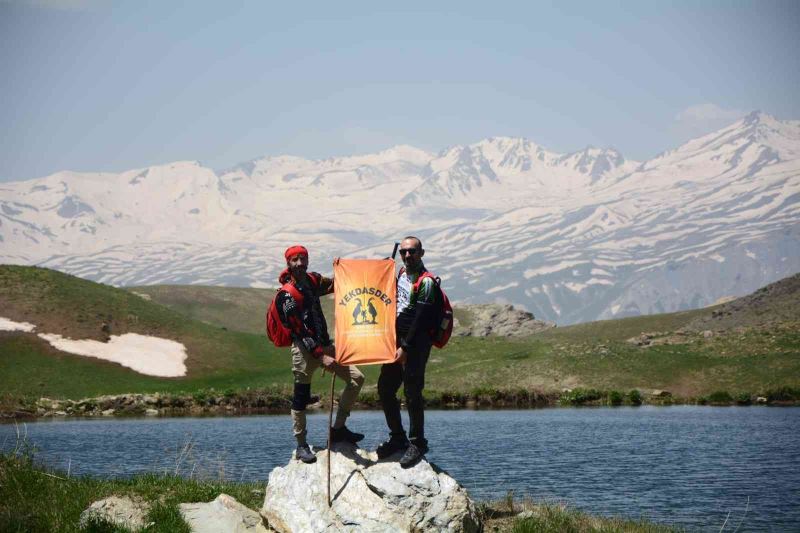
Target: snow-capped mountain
point(570, 237)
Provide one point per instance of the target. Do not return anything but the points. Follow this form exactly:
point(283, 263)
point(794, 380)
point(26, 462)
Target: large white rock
point(367, 495)
point(223, 515)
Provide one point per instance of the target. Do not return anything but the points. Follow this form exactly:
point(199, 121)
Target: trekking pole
point(394, 252)
point(330, 437)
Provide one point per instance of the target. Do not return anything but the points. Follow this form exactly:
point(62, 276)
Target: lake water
point(688, 466)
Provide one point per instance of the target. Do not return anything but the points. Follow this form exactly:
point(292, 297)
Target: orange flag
point(365, 311)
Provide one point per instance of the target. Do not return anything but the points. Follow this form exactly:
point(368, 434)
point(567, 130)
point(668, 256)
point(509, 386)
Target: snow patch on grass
point(10, 325)
point(152, 356)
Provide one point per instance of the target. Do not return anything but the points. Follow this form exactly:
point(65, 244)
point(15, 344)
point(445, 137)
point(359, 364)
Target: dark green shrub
point(615, 398)
point(177, 401)
point(485, 391)
point(520, 397)
point(199, 397)
point(486, 395)
point(452, 397)
point(743, 398)
point(580, 396)
point(784, 394)
point(635, 397)
point(720, 397)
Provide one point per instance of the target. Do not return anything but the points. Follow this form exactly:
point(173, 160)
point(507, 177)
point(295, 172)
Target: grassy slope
point(235, 308)
point(58, 303)
point(587, 355)
point(238, 309)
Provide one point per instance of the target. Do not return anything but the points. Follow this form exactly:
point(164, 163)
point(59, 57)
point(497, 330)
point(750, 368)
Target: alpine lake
point(689, 466)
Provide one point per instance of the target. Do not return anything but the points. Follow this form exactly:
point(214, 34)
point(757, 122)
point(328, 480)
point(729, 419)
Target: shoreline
point(29, 481)
point(278, 402)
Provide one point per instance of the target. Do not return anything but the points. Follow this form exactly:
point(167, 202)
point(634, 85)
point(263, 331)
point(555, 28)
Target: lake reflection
point(688, 466)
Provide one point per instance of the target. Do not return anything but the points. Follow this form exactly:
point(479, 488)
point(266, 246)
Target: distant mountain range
point(569, 237)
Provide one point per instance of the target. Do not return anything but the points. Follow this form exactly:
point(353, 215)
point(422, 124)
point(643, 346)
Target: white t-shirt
point(404, 288)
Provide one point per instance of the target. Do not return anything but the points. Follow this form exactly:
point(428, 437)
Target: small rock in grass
point(222, 514)
point(118, 510)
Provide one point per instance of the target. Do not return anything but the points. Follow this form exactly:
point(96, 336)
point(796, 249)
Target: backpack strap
point(289, 287)
point(436, 280)
point(422, 276)
point(293, 292)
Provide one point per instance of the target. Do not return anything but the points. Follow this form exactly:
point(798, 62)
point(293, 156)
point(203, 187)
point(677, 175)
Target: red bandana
point(295, 250)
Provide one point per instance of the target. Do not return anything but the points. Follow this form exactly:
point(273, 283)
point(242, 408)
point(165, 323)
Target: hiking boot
point(391, 446)
point(413, 455)
point(304, 453)
point(344, 434)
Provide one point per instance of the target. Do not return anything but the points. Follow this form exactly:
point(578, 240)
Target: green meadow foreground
point(744, 351)
point(35, 499)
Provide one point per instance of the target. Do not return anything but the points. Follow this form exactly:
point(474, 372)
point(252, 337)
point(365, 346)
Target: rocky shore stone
point(118, 510)
point(223, 515)
point(367, 495)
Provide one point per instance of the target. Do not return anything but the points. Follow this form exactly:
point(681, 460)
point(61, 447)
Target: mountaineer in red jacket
point(312, 348)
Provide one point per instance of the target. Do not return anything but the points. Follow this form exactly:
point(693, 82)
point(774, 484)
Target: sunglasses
point(412, 251)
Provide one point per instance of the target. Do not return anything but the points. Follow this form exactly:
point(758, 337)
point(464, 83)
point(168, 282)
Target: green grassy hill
point(234, 308)
point(238, 309)
point(78, 309)
point(222, 330)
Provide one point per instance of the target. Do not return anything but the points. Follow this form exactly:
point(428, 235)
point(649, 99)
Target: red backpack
point(440, 334)
point(276, 331)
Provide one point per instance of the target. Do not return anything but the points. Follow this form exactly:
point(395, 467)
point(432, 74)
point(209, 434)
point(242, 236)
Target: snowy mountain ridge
point(570, 237)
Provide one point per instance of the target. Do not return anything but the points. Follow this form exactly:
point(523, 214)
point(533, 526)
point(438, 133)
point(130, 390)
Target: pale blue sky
point(117, 85)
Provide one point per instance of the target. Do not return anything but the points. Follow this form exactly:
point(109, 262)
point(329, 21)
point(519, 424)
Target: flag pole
point(330, 417)
point(330, 437)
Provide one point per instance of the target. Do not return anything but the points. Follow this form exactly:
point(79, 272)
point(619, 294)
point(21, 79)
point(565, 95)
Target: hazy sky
point(110, 86)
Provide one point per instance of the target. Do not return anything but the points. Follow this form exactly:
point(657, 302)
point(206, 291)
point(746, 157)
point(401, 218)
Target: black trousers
point(412, 376)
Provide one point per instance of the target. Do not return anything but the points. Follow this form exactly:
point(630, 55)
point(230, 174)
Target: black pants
point(412, 376)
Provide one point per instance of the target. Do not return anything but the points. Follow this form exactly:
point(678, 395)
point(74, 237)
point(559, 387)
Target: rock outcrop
point(224, 514)
point(776, 303)
point(367, 495)
point(481, 320)
point(660, 338)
